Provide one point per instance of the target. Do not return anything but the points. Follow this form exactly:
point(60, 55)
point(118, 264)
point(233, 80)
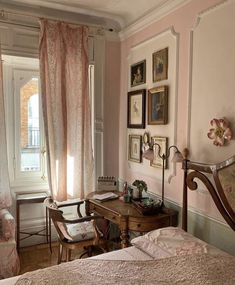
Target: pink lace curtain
point(5, 193)
point(66, 108)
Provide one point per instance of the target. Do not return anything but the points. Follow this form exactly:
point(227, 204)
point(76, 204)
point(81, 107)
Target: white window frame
point(14, 68)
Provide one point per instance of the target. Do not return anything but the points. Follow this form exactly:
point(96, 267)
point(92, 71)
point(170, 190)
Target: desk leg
point(47, 225)
point(87, 208)
point(48, 228)
point(17, 226)
point(124, 232)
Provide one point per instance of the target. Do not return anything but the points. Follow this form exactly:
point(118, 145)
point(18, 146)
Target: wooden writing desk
point(128, 218)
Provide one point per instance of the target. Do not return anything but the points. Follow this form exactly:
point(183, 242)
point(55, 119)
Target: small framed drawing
point(135, 145)
point(136, 109)
point(160, 65)
point(146, 138)
point(162, 142)
point(138, 73)
point(146, 141)
point(158, 105)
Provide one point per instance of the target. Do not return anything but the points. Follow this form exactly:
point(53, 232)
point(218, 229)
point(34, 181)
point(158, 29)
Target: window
point(29, 126)
point(25, 134)
point(27, 162)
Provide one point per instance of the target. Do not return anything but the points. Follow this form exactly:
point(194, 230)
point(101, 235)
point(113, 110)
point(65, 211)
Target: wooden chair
point(80, 233)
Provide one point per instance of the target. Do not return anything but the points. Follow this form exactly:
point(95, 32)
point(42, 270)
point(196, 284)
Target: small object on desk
point(105, 197)
point(130, 192)
point(107, 183)
point(127, 198)
point(148, 206)
point(125, 189)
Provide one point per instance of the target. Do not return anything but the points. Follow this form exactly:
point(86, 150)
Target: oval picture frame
point(146, 138)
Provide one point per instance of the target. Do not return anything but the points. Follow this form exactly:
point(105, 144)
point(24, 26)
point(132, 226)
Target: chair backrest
point(57, 218)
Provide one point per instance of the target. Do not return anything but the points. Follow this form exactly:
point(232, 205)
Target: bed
point(164, 256)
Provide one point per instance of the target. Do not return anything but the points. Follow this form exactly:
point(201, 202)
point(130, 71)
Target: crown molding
point(155, 15)
point(65, 13)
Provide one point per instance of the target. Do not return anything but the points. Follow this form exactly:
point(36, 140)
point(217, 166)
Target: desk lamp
point(149, 155)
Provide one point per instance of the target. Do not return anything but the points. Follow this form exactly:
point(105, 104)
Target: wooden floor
point(39, 256)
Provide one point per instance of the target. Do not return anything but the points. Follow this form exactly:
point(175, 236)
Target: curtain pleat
point(64, 63)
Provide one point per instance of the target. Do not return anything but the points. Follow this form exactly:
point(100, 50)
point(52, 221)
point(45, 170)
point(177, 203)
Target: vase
point(136, 194)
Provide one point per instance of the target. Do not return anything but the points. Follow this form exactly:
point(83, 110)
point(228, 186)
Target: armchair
point(9, 260)
point(77, 233)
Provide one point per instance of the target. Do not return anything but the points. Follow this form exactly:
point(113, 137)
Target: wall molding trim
point(193, 29)
point(170, 33)
point(152, 17)
point(208, 11)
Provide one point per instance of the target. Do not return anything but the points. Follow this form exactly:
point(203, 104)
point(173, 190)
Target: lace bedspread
point(199, 269)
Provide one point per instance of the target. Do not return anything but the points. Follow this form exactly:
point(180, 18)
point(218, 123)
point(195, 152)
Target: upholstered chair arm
point(8, 224)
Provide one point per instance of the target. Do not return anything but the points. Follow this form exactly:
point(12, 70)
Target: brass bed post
point(185, 194)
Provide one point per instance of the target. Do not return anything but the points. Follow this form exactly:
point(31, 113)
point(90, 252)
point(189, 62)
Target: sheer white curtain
point(66, 108)
point(5, 193)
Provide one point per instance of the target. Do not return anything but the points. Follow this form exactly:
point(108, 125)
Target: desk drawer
point(106, 214)
point(146, 226)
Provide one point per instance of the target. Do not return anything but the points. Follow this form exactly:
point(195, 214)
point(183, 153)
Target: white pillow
point(170, 241)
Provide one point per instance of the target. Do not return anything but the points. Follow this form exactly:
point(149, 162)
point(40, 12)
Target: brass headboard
point(222, 189)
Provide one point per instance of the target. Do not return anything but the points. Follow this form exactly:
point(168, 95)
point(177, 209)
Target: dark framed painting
point(158, 105)
point(135, 146)
point(138, 73)
point(163, 144)
point(136, 109)
point(160, 65)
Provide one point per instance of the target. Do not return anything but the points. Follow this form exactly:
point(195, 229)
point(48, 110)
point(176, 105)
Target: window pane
point(30, 131)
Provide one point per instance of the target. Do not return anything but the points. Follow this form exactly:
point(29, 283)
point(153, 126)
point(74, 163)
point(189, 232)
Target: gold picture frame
point(160, 65)
point(135, 147)
point(163, 142)
point(158, 105)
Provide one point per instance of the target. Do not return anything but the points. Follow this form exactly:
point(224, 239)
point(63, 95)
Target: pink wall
point(111, 108)
point(182, 21)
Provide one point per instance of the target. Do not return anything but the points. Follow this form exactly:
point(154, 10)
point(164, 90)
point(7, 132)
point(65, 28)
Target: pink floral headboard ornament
point(220, 131)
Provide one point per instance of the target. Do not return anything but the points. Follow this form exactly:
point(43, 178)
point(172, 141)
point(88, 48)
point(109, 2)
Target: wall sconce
point(149, 155)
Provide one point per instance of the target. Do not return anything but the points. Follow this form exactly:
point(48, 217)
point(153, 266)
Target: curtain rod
point(7, 21)
point(19, 24)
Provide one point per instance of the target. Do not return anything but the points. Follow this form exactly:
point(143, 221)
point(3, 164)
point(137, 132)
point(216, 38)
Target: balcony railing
point(33, 137)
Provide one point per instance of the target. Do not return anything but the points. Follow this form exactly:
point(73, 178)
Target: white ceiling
point(123, 12)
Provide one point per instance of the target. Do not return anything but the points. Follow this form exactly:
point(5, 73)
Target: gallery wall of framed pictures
point(152, 69)
point(156, 109)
